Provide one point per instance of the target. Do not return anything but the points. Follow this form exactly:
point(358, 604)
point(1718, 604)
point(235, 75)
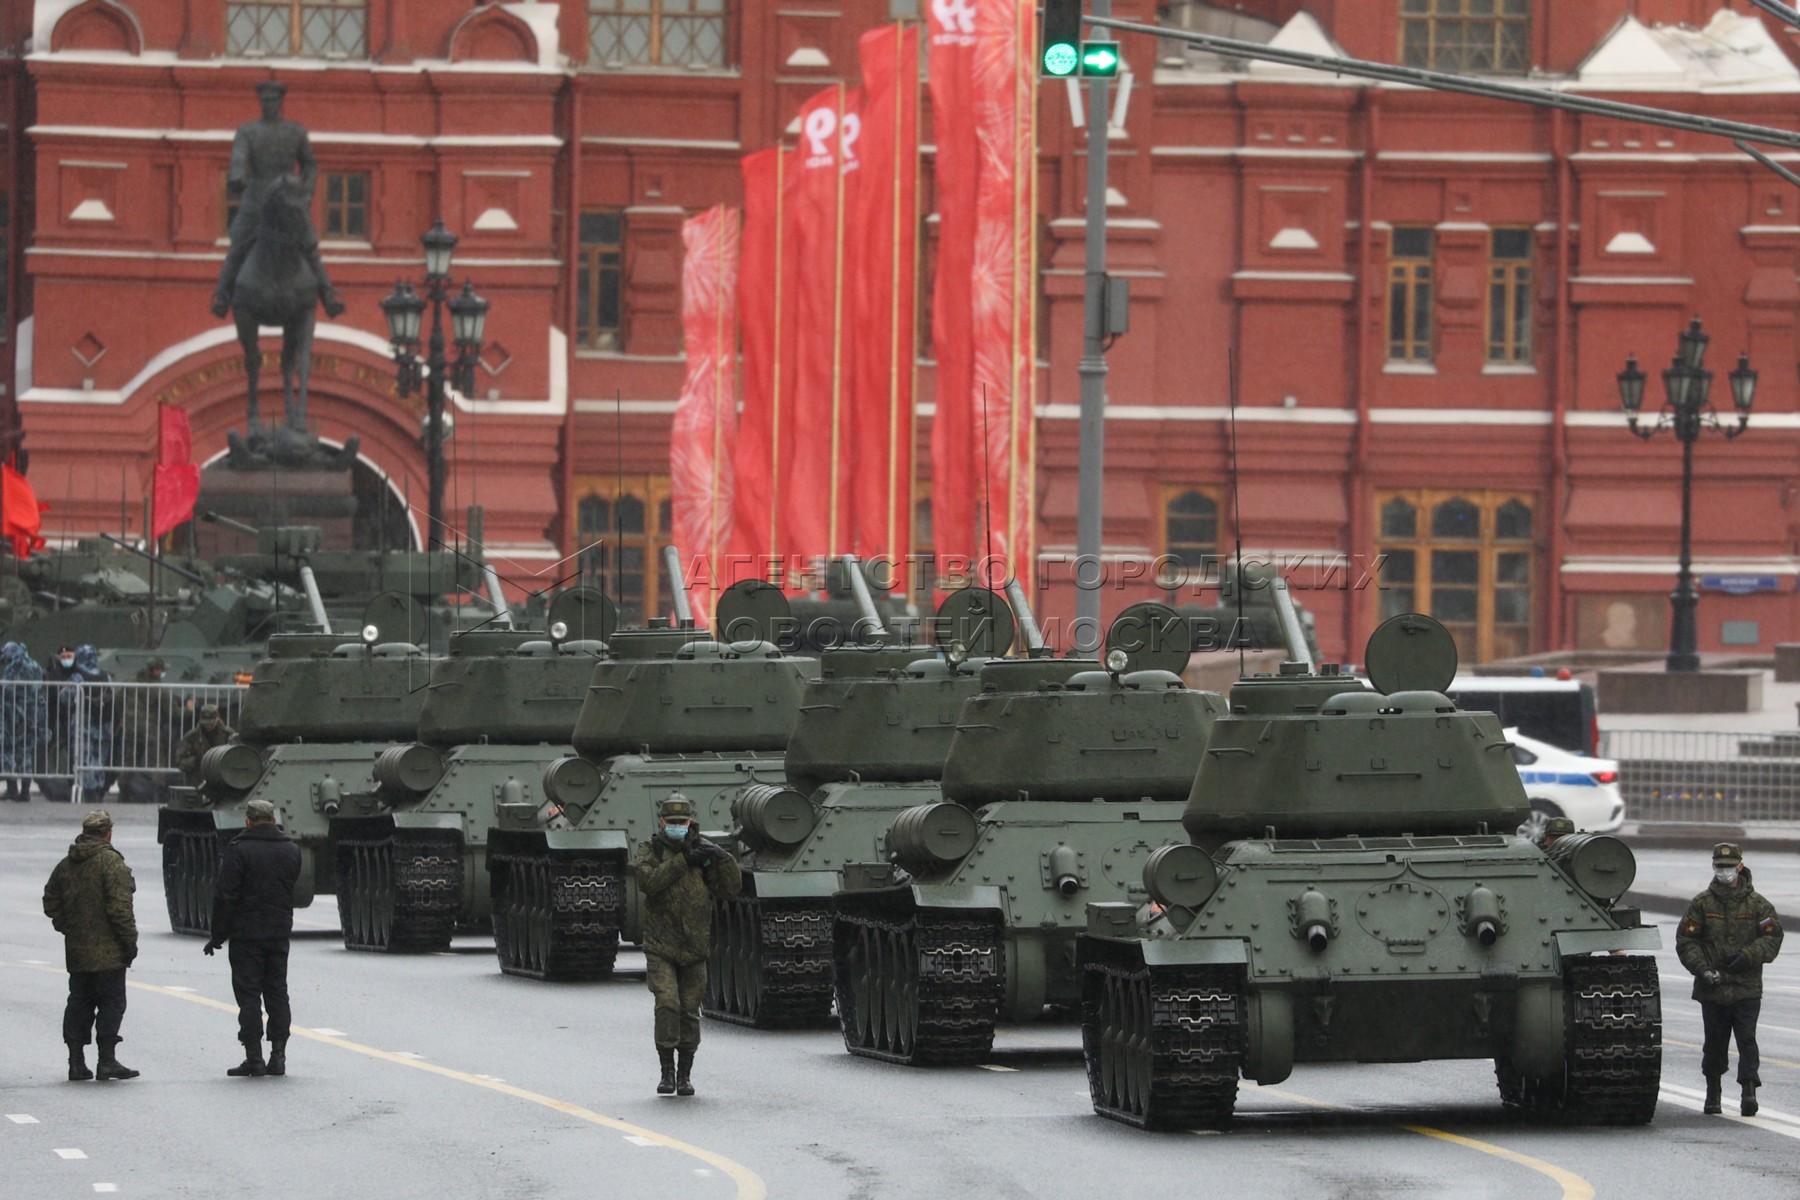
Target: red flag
point(1004, 323)
point(177, 480)
point(765, 302)
point(700, 476)
point(812, 484)
point(954, 478)
point(22, 518)
point(884, 223)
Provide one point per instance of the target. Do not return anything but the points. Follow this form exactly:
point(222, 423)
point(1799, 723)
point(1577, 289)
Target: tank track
point(190, 865)
point(771, 962)
point(920, 987)
point(399, 890)
point(1163, 1046)
point(1612, 1061)
point(557, 915)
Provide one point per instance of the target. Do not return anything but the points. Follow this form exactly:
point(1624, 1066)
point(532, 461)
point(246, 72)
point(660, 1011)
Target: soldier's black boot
point(278, 1057)
point(1714, 1106)
point(666, 1086)
point(253, 1062)
point(684, 1074)
point(78, 1068)
point(109, 1066)
point(1748, 1105)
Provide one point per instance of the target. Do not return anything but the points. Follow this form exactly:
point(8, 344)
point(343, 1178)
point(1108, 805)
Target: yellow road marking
point(749, 1184)
point(1780, 1062)
point(1574, 1187)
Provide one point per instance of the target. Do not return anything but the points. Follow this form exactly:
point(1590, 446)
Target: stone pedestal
point(1660, 691)
point(273, 496)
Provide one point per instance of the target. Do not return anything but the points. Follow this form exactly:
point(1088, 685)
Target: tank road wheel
point(1612, 1049)
point(1164, 1045)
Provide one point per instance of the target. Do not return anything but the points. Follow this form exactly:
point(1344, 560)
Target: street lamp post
point(1686, 411)
point(405, 310)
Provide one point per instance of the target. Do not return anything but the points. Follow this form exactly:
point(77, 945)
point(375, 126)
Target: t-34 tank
point(320, 710)
point(411, 860)
point(700, 717)
point(869, 744)
point(1055, 790)
point(1355, 892)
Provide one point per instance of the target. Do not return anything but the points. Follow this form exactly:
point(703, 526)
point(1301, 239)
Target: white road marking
point(998, 1067)
point(408, 1054)
point(641, 1141)
point(106, 1187)
point(336, 1033)
point(71, 1154)
point(1759, 1122)
point(34, 962)
point(702, 1170)
point(21, 1118)
point(1768, 1114)
point(175, 987)
point(491, 1078)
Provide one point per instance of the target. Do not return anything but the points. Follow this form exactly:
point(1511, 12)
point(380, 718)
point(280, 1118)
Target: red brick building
point(1428, 296)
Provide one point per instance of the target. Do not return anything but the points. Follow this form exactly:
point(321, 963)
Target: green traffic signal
point(1099, 59)
point(1060, 59)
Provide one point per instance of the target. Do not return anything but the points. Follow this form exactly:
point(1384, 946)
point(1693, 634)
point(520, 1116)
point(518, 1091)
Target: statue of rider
point(263, 155)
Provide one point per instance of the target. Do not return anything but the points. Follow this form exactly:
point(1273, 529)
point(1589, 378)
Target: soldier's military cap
point(208, 711)
point(260, 811)
point(675, 805)
point(1558, 827)
point(157, 664)
point(98, 821)
point(1727, 854)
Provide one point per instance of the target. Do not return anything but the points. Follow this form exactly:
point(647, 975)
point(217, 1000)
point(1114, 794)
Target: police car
point(1561, 784)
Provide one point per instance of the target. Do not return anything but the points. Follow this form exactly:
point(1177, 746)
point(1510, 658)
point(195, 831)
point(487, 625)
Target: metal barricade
point(1706, 776)
point(77, 741)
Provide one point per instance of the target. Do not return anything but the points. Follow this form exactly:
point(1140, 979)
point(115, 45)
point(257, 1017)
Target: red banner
point(1004, 328)
point(813, 514)
point(700, 475)
point(21, 514)
point(884, 223)
point(957, 168)
point(176, 484)
point(765, 305)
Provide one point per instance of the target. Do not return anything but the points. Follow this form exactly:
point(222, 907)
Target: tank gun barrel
point(1028, 626)
point(865, 603)
point(1291, 630)
point(157, 559)
point(238, 526)
point(684, 611)
point(311, 583)
point(496, 597)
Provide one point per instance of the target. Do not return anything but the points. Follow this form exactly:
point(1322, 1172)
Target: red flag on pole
point(23, 517)
point(177, 479)
point(954, 478)
point(765, 305)
point(700, 475)
point(884, 223)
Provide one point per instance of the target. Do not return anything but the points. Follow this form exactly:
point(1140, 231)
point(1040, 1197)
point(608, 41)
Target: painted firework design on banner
point(700, 475)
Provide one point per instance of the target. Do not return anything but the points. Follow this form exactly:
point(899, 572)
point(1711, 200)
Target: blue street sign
point(1739, 585)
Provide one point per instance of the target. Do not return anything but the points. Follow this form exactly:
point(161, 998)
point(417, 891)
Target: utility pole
point(1091, 464)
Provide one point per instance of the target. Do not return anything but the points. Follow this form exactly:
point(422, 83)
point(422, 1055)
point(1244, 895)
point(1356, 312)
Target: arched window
point(297, 28)
point(621, 547)
point(1477, 37)
point(656, 33)
point(1471, 568)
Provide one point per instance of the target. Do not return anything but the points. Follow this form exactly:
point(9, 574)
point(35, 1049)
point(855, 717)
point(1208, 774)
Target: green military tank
point(869, 744)
point(670, 711)
point(319, 712)
point(1062, 778)
point(1354, 891)
point(410, 854)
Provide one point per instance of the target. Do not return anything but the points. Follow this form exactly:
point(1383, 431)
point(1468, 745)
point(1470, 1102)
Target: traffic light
point(1061, 43)
point(1099, 59)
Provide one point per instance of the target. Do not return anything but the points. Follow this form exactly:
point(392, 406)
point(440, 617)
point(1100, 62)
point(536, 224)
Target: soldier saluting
point(263, 156)
point(1729, 932)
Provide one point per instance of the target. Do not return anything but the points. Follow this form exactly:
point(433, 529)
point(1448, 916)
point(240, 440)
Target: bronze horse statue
point(276, 287)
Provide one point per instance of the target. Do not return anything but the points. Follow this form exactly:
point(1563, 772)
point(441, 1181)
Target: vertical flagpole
point(712, 495)
point(912, 350)
point(893, 281)
point(1012, 359)
point(775, 392)
point(1029, 516)
point(837, 329)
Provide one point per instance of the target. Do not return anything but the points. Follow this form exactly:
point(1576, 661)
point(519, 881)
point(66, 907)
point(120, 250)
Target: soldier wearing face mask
point(679, 873)
point(1729, 932)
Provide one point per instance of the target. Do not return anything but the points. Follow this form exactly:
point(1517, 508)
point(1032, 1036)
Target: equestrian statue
point(273, 276)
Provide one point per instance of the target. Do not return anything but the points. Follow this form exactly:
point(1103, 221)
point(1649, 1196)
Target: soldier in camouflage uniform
point(210, 732)
point(88, 900)
point(1729, 932)
point(678, 874)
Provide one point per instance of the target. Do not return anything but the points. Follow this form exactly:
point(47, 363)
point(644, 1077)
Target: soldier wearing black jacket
point(253, 910)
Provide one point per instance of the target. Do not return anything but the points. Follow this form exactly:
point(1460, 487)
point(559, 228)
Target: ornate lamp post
point(1686, 410)
point(405, 310)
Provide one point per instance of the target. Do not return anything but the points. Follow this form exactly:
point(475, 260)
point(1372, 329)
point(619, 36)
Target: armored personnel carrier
point(1354, 891)
point(669, 712)
point(319, 712)
point(411, 859)
point(1061, 779)
point(869, 744)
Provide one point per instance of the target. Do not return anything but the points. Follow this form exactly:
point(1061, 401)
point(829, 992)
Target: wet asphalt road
point(434, 1076)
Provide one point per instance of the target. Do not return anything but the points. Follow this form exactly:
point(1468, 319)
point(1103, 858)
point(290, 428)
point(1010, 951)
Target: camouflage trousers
point(678, 988)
